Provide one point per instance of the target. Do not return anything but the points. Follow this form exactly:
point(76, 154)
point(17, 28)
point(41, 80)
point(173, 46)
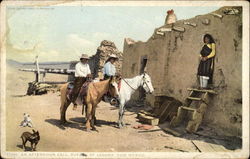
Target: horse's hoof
point(62, 122)
point(123, 124)
point(120, 126)
point(88, 129)
point(94, 129)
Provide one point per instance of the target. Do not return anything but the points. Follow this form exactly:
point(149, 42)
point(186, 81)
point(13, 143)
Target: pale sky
point(63, 33)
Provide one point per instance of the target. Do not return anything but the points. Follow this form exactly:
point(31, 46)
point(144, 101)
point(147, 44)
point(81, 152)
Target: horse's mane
point(131, 79)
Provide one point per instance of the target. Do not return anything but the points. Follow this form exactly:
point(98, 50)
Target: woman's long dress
point(206, 67)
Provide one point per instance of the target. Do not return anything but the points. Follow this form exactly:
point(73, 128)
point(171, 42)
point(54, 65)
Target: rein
point(132, 87)
point(128, 84)
point(146, 84)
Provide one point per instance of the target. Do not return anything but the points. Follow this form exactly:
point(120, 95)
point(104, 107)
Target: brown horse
point(95, 92)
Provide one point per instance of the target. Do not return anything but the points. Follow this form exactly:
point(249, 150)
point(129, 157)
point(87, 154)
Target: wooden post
point(44, 74)
point(38, 71)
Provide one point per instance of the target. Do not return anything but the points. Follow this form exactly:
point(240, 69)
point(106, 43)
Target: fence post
point(38, 71)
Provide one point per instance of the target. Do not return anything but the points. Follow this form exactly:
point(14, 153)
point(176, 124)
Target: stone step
point(202, 90)
point(194, 98)
point(148, 119)
point(172, 131)
point(188, 108)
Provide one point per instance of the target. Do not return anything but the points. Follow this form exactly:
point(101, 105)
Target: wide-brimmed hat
point(84, 56)
point(113, 56)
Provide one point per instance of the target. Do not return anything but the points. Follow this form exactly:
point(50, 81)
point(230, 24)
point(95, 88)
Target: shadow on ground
point(204, 132)
point(68, 124)
point(208, 135)
point(27, 148)
point(78, 123)
point(18, 96)
point(99, 123)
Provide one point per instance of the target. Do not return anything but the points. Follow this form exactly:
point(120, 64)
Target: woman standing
point(206, 66)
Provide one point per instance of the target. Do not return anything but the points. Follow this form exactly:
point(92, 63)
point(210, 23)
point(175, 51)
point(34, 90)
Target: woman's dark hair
point(211, 39)
point(110, 59)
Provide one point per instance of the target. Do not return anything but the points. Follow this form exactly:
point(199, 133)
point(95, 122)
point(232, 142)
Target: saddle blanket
point(81, 94)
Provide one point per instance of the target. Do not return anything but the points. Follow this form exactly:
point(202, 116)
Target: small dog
point(27, 121)
point(32, 138)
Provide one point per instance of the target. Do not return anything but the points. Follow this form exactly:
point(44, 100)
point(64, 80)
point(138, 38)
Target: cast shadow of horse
point(68, 124)
point(78, 123)
point(99, 123)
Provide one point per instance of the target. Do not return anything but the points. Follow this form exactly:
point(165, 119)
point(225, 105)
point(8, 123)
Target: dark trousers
point(79, 81)
point(106, 77)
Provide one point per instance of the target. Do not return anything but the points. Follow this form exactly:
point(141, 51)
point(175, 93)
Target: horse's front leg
point(88, 116)
point(93, 120)
point(121, 112)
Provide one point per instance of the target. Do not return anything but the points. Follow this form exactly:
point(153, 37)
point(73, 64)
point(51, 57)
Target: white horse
point(128, 87)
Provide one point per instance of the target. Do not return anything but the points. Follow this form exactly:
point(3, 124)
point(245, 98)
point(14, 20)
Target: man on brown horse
point(109, 67)
point(82, 72)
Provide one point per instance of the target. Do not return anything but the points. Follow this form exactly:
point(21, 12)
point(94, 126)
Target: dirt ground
point(44, 112)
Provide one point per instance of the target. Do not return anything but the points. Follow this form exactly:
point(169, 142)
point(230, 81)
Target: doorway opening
point(142, 93)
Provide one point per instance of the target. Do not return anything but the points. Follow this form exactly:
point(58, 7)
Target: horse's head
point(146, 83)
point(113, 87)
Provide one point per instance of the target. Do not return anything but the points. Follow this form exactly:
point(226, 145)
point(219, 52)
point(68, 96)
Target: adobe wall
point(173, 58)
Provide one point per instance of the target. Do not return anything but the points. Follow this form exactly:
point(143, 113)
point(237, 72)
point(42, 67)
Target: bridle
point(144, 82)
point(110, 86)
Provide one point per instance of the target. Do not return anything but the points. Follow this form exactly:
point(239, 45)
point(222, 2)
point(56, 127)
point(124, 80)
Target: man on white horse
point(82, 71)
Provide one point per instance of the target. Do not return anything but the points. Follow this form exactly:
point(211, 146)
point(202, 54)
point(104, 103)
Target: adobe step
point(194, 98)
point(188, 108)
point(202, 90)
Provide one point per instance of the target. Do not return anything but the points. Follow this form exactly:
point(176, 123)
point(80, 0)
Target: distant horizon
point(63, 33)
point(42, 62)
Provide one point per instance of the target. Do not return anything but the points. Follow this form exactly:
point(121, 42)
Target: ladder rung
point(193, 98)
point(188, 108)
point(202, 90)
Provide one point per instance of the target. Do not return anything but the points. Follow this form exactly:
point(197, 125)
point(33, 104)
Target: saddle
point(82, 93)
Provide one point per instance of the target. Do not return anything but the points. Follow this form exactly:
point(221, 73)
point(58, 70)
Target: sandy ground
point(44, 111)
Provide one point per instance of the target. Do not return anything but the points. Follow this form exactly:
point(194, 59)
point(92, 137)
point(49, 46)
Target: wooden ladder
point(195, 113)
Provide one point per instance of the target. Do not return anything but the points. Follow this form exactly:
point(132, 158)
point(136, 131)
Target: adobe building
point(171, 57)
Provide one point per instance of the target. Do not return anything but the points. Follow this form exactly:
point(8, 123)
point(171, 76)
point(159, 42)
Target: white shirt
point(81, 70)
point(109, 69)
